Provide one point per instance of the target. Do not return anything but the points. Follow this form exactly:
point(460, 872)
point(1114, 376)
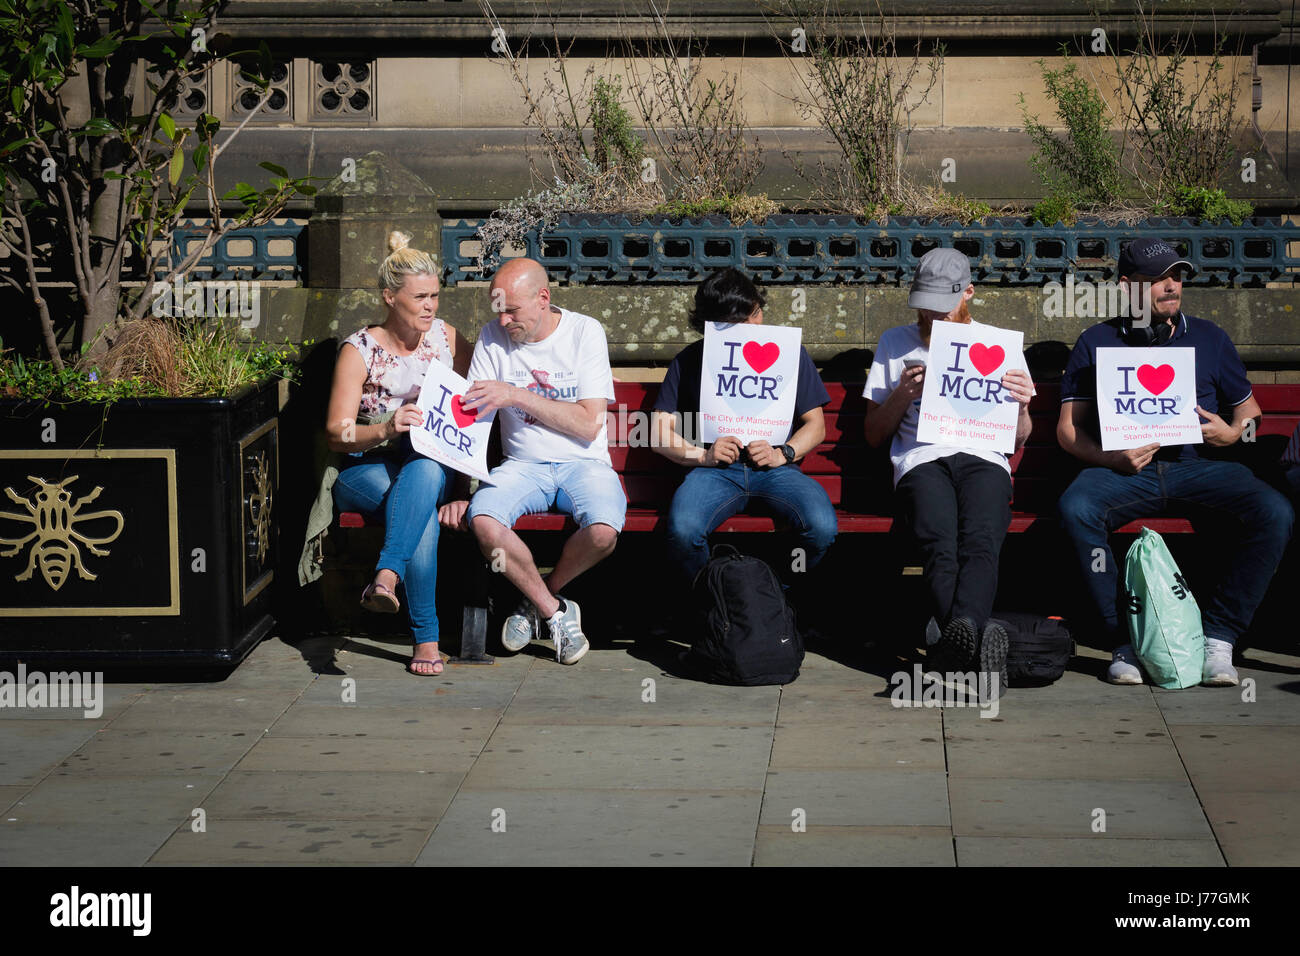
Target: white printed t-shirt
point(899, 346)
point(570, 364)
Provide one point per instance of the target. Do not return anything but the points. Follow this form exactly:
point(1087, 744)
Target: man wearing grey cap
point(955, 501)
point(1117, 487)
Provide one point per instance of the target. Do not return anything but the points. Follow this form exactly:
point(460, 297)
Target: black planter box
point(140, 532)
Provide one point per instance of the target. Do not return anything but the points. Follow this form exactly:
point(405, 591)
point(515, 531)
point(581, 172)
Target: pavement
point(330, 754)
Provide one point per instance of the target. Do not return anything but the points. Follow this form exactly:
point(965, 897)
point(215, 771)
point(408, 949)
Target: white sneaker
point(1124, 667)
point(566, 633)
point(520, 627)
point(1219, 671)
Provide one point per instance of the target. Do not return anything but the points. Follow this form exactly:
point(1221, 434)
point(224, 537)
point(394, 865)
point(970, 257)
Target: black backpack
point(748, 634)
point(1038, 648)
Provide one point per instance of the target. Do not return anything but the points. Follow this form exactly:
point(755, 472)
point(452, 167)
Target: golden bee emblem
point(259, 506)
point(55, 541)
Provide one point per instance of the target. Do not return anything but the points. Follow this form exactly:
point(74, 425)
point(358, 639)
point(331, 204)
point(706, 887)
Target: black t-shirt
point(680, 391)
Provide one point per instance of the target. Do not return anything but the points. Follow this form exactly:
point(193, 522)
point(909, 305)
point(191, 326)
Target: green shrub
point(1083, 166)
point(1055, 209)
point(1211, 205)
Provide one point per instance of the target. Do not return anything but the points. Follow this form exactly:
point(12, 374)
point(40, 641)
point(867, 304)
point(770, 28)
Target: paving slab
point(1123, 758)
point(1256, 829)
point(228, 842)
point(10, 794)
point(1236, 758)
point(849, 798)
point(1276, 702)
point(1140, 721)
point(65, 797)
point(477, 688)
point(584, 757)
point(328, 720)
point(30, 749)
point(149, 752)
point(339, 795)
point(1085, 851)
point(80, 844)
point(610, 698)
point(1065, 808)
point(596, 828)
point(914, 743)
point(369, 754)
point(115, 699)
point(854, 846)
point(214, 709)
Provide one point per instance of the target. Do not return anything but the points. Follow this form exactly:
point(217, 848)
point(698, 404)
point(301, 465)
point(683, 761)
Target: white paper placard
point(1147, 396)
point(748, 381)
point(449, 433)
point(963, 401)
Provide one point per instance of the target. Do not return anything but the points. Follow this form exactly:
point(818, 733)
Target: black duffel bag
point(1038, 648)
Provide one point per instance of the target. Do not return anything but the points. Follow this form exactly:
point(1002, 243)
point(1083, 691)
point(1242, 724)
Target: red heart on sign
point(761, 357)
point(986, 358)
point(463, 418)
point(1155, 379)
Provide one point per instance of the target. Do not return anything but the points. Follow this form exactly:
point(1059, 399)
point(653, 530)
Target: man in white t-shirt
point(955, 501)
point(546, 371)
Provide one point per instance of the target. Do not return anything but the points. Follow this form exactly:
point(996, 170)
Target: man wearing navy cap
point(1120, 486)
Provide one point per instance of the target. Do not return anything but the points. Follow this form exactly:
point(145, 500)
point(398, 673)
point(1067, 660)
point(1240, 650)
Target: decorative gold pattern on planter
point(54, 540)
point(259, 475)
point(259, 506)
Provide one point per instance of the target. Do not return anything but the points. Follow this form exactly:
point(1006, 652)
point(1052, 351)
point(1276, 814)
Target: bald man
point(546, 370)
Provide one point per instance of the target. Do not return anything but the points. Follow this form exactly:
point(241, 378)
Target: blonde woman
point(371, 411)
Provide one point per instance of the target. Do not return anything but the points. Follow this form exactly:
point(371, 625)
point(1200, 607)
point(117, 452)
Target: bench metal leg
point(473, 637)
point(474, 620)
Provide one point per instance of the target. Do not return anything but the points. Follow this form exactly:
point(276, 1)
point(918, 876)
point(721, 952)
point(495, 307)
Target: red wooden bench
point(855, 476)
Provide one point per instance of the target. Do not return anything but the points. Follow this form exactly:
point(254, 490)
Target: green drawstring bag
point(1164, 622)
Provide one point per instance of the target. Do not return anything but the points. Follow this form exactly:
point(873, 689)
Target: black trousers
point(957, 509)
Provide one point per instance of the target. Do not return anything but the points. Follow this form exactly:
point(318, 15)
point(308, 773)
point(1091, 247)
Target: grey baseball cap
point(941, 277)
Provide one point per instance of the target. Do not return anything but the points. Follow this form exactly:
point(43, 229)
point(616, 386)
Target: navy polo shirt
point(680, 391)
point(1221, 382)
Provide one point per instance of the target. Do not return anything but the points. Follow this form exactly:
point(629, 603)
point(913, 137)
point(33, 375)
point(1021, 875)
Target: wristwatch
point(788, 452)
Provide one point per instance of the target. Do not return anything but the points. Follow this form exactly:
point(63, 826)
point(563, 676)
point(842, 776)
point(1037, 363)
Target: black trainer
point(993, 658)
point(955, 650)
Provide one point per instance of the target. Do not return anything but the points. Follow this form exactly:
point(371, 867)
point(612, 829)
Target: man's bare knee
point(488, 531)
point(603, 537)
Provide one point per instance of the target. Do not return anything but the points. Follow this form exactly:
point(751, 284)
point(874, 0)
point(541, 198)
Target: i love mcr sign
point(449, 433)
point(1147, 396)
point(748, 382)
point(963, 401)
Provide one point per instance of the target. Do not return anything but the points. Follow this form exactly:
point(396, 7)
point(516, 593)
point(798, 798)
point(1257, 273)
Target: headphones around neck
point(1154, 333)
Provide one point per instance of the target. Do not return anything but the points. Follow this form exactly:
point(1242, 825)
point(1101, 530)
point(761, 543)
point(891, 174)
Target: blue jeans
point(709, 496)
point(1256, 519)
point(405, 495)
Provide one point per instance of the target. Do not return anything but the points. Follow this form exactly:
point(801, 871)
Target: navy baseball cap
point(1151, 257)
point(942, 275)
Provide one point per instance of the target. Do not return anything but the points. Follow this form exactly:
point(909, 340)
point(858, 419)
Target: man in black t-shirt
point(1123, 485)
point(726, 476)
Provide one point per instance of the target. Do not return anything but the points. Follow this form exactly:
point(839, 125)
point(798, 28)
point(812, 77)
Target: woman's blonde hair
point(404, 261)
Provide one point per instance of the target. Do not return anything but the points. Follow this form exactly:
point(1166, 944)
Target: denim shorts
point(587, 489)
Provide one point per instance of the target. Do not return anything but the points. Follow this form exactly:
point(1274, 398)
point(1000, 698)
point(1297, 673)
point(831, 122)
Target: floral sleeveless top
point(393, 380)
